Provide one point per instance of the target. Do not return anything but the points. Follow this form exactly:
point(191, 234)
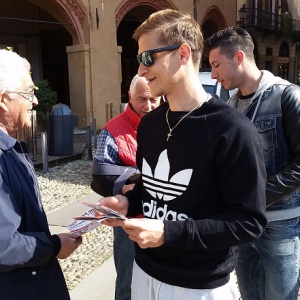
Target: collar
point(267, 80)
point(6, 142)
point(132, 115)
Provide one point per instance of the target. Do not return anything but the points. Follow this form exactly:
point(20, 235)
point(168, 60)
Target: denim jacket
point(275, 112)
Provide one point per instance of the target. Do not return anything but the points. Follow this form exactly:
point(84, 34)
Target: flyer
point(92, 218)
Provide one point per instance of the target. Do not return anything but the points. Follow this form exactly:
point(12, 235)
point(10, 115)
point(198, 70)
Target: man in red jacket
point(115, 165)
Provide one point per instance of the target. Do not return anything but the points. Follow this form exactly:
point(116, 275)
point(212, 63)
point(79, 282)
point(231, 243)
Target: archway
point(213, 21)
point(40, 31)
point(70, 14)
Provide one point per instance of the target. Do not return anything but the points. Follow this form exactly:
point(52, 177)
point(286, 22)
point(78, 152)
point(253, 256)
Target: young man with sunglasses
point(203, 176)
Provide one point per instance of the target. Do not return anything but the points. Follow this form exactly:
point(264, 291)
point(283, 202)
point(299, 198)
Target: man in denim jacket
point(269, 267)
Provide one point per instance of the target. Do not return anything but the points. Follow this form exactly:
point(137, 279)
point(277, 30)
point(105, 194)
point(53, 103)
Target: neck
point(251, 82)
point(188, 102)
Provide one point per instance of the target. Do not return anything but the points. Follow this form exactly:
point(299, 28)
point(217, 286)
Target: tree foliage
point(46, 97)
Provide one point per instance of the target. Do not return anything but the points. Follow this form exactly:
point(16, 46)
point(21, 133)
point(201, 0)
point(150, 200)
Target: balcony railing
point(268, 22)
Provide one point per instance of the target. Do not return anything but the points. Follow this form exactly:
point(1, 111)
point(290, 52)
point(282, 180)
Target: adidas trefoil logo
point(159, 185)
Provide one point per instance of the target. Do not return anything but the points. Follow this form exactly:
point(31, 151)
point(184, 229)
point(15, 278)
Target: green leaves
point(46, 97)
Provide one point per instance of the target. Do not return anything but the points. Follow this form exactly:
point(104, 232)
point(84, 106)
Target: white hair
point(135, 80)
point(12, 67)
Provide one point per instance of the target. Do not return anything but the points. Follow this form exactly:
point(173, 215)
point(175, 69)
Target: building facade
point(275, 28)
point(84, 48)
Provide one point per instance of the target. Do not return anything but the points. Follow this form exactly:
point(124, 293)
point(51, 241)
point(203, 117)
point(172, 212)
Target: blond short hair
point(175, 28)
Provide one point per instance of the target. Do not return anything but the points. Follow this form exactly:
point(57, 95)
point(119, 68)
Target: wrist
point(56, 244)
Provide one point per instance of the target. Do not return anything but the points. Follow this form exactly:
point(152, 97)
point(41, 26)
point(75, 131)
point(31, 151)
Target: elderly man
point(29, 268)
point(114, 170)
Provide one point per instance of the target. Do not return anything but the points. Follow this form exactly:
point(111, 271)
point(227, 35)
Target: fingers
point(78, 240)
point(145, 232)
point(118, 203)
point(69, 243)
point(74, 235)
point(113, 222)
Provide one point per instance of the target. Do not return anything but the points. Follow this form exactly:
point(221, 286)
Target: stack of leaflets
point(92, 218)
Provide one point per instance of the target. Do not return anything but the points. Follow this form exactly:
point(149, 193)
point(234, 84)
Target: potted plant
point(46, 97)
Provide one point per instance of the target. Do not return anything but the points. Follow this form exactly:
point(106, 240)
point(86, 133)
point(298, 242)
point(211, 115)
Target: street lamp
point(243, 15)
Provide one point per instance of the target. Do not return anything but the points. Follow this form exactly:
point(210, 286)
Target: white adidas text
point(162, 213)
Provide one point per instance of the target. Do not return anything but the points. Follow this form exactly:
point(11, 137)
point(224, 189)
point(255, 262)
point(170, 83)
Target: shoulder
point(284, 86)
point(154, 115)
point(290, 98)
point(105, 134)
point(223, 118)
point(115, 121)
point(290, 88)
point(217, 107)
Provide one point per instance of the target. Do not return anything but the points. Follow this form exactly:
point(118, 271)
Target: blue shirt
point(107, 149)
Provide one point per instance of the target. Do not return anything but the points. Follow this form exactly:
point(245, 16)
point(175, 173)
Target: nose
point(148, 105)
point(213, 74)
point(153, 106)
point(142, 70)
point(35, 101)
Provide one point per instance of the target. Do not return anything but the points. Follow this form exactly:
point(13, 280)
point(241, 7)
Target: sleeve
point(237, 211)
point(135, 208)
point(107, 149)
point(287, 180)
point(107, 152)
point(18, 249)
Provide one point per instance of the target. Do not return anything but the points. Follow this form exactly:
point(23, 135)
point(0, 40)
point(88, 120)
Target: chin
point(27, 124)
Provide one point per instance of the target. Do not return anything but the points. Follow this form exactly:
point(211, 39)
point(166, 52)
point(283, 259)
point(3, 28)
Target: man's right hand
point(118, 203)
point(69, 243)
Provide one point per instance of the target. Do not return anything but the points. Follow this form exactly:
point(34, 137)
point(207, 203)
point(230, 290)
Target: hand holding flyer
point(92, 218)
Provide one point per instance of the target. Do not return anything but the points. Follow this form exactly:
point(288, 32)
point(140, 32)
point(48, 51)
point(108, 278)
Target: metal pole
point(95, 133)
point(33, 134)
point(88, 142)
point(196, 10)
point(44, 152)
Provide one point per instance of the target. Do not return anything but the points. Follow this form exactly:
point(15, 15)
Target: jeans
point(124, 256)
point(268, 269)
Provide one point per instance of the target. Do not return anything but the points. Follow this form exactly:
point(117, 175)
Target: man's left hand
point(147, 233)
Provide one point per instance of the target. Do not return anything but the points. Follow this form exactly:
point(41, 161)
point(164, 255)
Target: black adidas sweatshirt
point(208, 185)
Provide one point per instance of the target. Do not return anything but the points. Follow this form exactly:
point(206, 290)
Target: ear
point(185, 53)
point(129, 97)
point(239, 56)
point(3, 101)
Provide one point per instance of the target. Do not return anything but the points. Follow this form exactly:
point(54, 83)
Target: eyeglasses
point(23, 95)
point(146, 57)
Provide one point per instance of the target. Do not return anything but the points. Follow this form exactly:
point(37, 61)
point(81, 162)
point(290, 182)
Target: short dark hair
point(230, 40)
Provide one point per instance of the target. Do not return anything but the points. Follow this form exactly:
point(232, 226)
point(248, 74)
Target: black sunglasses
point(146, 57)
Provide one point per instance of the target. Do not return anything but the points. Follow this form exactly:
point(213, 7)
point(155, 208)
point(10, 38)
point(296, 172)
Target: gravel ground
point(63, 185)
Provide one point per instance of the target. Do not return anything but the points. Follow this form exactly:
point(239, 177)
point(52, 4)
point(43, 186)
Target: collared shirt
point(107, 149)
